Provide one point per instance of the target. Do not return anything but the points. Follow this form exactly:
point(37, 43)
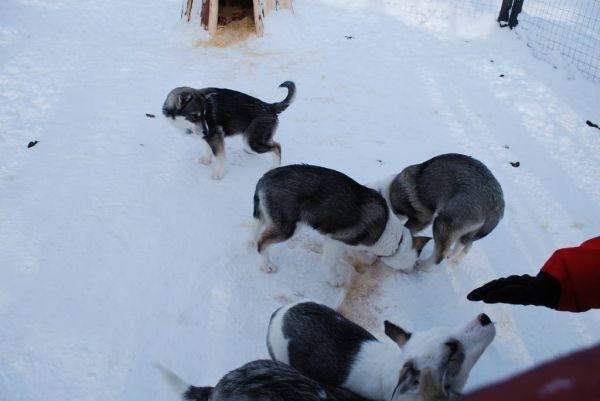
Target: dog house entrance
point(231, 20)
point(231, 11)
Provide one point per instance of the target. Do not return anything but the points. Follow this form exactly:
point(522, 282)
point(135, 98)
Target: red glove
point(569, 281)
point(541, 290)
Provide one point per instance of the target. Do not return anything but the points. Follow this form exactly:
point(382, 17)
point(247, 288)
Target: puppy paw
point(424, 264)
point(336, 281)
point(217, 175)
point(339, 276)
point(206, 160)
point(455, 259)
point(315, 247)
point(402, 261)
point(268, 267)
point(364, 257)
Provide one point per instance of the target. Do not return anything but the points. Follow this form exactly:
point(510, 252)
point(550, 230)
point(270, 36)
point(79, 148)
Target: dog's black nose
point(484, 319)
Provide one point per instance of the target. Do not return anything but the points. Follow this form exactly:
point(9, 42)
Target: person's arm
point(568, 281)
point(578, 272)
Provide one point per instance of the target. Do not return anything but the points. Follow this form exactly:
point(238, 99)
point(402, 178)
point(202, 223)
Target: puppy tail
point(185, 390)
point(281, 106)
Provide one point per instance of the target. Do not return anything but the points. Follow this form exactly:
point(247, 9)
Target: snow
point(117, 250)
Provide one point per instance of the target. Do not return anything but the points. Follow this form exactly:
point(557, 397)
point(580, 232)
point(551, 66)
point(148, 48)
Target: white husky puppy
point(426, 365)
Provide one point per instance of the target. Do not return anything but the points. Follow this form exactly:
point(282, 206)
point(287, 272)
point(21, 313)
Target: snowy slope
point(118, 250)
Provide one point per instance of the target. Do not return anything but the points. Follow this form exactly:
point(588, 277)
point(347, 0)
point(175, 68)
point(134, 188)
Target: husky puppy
point(263, 380)
point(327, 347)
point(216, 113)
point(457, 193)
point(348, 214)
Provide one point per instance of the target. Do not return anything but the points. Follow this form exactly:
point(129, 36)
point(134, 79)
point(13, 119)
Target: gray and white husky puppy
point(351, 216)
point(216, 113)
point(261, 380)
point(425, 365)
point(457, 193)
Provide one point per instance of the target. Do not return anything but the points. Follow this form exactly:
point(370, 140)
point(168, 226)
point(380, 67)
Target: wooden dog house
point(217, 15)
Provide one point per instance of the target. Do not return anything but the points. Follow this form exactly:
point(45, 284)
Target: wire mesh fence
point(553, 29)
point(569, 28)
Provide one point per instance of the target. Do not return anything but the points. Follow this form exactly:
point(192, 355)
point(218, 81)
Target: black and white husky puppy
point(216, 113)
point(351, 216)
point(426, 365)
point(457, 193)
point(261, 380)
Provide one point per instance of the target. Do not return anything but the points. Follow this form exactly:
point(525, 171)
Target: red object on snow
point(578, 271)
point(571, 378)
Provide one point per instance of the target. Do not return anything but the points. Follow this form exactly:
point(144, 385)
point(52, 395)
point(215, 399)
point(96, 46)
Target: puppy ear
point(418, 243)
point(183, 99)
point(397, 334)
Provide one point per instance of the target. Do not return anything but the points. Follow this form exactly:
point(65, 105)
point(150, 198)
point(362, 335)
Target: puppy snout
point(169, 113)
point(484, 319)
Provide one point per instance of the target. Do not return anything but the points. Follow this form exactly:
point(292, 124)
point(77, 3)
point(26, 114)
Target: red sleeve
point(574, 377)
point(578, 271)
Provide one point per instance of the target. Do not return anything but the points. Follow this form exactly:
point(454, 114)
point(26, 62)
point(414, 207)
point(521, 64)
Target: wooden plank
point(270, 5)
point(283, 4)
point(188, 10)
point(258, 17)
point(213, 17)
point(204, 13)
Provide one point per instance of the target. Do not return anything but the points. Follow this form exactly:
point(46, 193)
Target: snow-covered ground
point(118, 250)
